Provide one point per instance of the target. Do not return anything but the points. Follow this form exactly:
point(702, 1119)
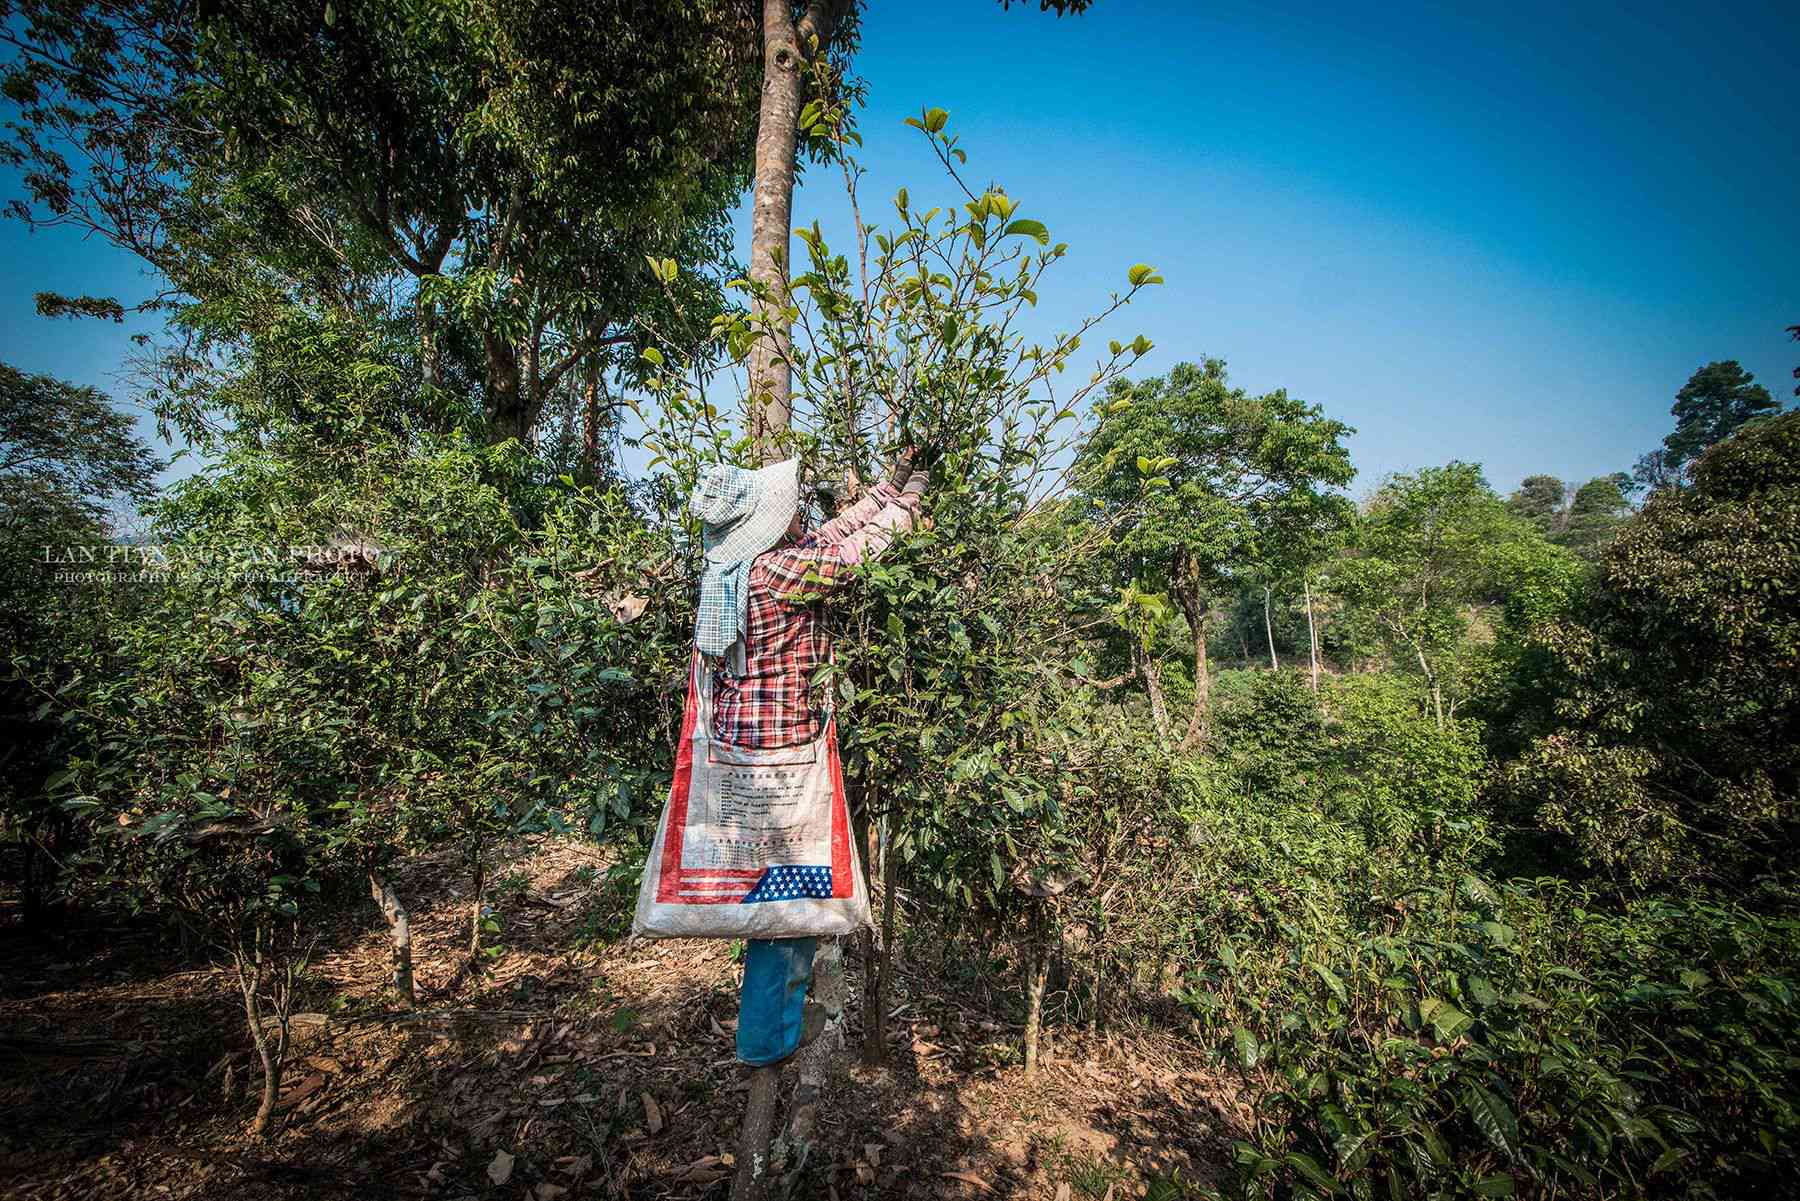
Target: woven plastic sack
point(752, 843)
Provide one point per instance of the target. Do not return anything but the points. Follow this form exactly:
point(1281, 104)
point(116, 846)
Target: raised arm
point(855, 517)
point(895, 517)
point(798, 574)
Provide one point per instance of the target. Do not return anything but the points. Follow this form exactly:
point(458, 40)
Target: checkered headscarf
point(744, 514)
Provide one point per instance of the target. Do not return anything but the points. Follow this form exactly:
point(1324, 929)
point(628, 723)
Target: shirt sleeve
point(867, 506)
point(798, 574)
point(878, 533)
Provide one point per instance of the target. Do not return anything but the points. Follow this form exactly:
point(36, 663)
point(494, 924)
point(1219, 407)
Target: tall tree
point(1215, 480)
point(790, 48)
point(1433, 549)
point(498, 174)
point(1716, 400)
point(1581, 519)
point(798, 39)
point(68, 448)
point(1595, 513)
point(1543, 501)
point(68, 461)
point(1674, 750)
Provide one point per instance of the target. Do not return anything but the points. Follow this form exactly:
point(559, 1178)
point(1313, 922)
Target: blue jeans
point(773, 1001)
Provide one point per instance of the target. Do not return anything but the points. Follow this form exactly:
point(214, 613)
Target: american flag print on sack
point(787, 883)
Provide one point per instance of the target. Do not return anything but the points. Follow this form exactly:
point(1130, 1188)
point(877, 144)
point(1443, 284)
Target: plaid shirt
point(771, 704)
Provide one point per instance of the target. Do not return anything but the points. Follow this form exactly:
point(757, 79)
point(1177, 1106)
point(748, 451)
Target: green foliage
point(1217, 477)
point(1483, 1040)
point(422, 671)
point(407, 242)
point(1438, 564)
point(947, 672)
point(1716, 400)
point(1596, 512)
point(1200, 486)
point(65, 453)
point(1411, 1028)
point(487, 180)
point(1582, 522)
point(68, 461)
point(1686, 767)
point(1541, 500)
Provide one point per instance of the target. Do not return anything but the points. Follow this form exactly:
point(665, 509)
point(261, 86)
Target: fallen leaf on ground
point(969, 1178)
point(1063, 1192)
point(872, 1153)
point(653, 1120)
point(500, 1171)
point(704, 1170)
point(301, 1091)
point(576, 1165)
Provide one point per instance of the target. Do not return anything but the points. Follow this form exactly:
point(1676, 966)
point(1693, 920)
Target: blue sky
point(1505, 235)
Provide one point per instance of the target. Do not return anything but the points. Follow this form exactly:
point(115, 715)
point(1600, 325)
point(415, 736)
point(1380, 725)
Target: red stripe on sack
point(670, 879)
point(843, 878)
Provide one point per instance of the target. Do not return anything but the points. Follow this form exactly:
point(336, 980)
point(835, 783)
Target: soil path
point(576, 1064)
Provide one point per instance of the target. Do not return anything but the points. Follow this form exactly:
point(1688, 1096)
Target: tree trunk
point(890, 887)
point(1037, 972)
point(430, 363)
point(1312, 638)
point(771, 220)
point(1269, 629)
point(475, 914)
point(752, 1180)
point(1200, 721)
point(874, 1049)
point(590, 425)
point(256, 965)
point(1152, 675)
point(874, 1045)
point(1437, 695)
point(271, 1067)
point(770, 404)
point(819, 1062)
point(399, 933)
point(507, 417)
point(531, 380)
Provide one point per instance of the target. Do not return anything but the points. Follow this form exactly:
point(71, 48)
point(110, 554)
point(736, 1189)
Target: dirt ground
point(576, 1064)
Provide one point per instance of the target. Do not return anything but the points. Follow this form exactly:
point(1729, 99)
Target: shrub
point(1674, 749)
point(1485, 1041)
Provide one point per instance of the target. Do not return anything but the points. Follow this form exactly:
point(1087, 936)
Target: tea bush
point(1475, 1040)
point(1411, 1029)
